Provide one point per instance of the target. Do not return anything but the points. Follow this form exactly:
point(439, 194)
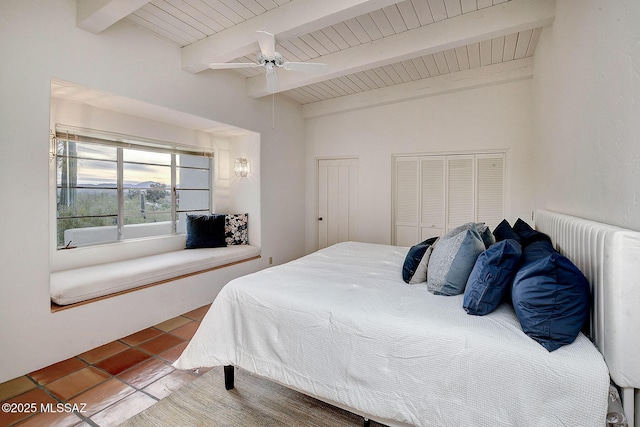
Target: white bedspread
point(341, 325)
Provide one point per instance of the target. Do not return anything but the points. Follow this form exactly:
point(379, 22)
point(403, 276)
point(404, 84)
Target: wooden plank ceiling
point(368, 44)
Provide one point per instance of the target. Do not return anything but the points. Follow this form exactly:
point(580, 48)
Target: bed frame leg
point(228, 377)
point(628, 403)
point(366, 422)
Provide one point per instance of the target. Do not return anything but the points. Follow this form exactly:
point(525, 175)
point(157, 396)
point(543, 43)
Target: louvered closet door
point(406, 201)
point(460, 194)
point(490, 178)
point(432, 196)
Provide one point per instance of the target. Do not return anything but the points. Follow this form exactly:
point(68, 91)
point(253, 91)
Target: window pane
point(186, 160)
point(139, 156)
point(74, 172)
point(156, 225)
point(146, 176)
point(87, 151)
point(147, 204)
point(192, 200)
point(87, 202)
point(86, 231)
point(193, 178)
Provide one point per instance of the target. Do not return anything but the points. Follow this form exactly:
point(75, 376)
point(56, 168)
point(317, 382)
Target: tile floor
point(108, 384)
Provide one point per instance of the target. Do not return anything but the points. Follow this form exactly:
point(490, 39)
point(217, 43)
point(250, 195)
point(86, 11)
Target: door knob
point(320, 219)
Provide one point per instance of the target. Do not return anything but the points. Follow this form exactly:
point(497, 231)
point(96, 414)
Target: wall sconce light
point(241, 167)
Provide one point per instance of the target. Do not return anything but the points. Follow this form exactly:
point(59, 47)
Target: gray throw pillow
point(453, 259)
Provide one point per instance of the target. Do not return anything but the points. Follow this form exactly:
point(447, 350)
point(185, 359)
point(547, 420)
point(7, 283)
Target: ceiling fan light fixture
point(269, 59)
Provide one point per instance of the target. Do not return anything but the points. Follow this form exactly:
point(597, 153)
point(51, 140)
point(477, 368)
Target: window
point(109, 190)
point(436, 193)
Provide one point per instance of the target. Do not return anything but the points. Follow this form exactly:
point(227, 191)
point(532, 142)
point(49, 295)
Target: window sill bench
point(85, 284)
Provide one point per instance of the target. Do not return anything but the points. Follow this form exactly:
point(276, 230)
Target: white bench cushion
point(81, 284)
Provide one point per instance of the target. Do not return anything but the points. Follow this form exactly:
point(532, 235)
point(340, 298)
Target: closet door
point(406, 201)
point(432, 196)
point(490, 179)
point(460, 190)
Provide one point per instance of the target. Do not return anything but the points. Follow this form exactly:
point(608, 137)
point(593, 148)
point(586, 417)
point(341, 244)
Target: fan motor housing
point(277, 59)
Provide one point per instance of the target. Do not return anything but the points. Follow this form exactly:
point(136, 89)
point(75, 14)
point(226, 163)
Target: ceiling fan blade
point(273, 85)
point(231, 65)
point(310, 67)
point(267, 44)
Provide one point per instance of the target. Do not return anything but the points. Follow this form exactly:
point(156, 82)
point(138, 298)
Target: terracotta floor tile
point(145, 373)
point(186, 331)
point(108, 400)
point(15, 387)
point(169, 383)
point(140, 337)
point(52, 419)
point(102, 396)
point(173, 354)
point(102, 352)
point(77, 382)
point(36, 397)
point(123, 410)
point(171, 324)
point(159, 344)
point(122, 361)
point(198, 313)
point(57, 370)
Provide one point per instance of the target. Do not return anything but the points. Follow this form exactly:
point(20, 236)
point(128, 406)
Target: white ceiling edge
point(120, 104)
point(504, 72)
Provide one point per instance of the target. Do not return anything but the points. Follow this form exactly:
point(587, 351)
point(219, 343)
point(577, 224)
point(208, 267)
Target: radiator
point(609, 257)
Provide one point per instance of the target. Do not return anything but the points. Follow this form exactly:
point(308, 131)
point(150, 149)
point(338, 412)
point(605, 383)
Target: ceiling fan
point(270, 60)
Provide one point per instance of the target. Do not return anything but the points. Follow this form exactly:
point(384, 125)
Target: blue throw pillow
point(205, 231)
point(550, 296)
point(504, 231)
point(491, 277)
point(452, 260)
point(414, 269)
point(527, 234)
point(487, 236)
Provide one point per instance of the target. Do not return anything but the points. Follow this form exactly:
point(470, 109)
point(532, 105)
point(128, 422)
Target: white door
point(337, 201)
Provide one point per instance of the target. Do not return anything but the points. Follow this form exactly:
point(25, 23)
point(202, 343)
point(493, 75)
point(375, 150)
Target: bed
point(341, 325)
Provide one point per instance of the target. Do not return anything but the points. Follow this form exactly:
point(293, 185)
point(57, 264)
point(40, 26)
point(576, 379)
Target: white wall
point(587, 111)
point(41, 42)
point(587, 114)
point(493, 117)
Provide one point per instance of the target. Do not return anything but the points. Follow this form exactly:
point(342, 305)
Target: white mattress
point(341, 325)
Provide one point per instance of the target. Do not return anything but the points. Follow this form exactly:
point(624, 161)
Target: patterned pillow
point(236, 229)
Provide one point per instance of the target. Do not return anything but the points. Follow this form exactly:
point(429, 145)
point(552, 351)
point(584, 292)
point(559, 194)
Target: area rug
point(254, 401)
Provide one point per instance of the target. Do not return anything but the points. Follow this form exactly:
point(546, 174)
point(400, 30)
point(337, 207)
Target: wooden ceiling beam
point(97, 15)
point(292, 19)
point(484, 24)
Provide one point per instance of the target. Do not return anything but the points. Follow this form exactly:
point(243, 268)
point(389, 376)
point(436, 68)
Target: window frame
point(126, 142)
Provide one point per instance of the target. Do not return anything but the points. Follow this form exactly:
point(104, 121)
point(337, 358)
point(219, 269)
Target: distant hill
point(128, 185)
